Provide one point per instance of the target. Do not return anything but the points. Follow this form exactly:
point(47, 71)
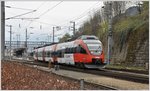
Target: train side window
point(54, 53)
point(71, 50)
point(63, 51)
point(48, 54)
point(79, 49)
point(41, 54)
point(74, 50)
point(51, 54)
point(66, 50)
point(44, 53)
point(38, 54)
point(83, 51)
point(59, 53)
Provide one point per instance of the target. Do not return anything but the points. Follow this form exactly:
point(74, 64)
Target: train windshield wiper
point(97, 49)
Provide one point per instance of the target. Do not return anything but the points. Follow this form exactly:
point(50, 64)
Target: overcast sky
point(50, 13)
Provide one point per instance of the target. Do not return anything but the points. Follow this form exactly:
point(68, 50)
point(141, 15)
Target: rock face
point(131, 40)
point(138, 46)
point(131, 47)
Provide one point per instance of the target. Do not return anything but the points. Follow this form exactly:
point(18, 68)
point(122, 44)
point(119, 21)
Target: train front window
point(94, 46)
point(95, 49)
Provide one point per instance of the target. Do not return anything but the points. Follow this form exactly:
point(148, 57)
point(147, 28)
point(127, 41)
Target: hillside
point(130, 40)
point(130, 35)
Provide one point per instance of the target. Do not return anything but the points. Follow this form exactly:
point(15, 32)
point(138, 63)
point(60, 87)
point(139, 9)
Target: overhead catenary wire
point(36, 10)
point(46, 11)
point(45, 23)
point(77, 18)
point(84, 13)
point(20, 15)
point(50, 9)
point(18, 8)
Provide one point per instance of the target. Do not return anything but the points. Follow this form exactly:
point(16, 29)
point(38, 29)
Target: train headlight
point(92, 52)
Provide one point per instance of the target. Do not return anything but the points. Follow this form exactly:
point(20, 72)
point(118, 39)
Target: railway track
point(114, 74)
point(141, 78)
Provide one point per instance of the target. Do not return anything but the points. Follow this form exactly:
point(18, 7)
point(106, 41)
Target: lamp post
point(2, 34)
point(109, 51)
point(26, 44)
point(56, 27)
point(73, 27)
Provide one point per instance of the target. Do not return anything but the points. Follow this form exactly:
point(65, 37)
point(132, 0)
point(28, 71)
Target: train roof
point(83, 37)
point(88, 37)
point(45, 45)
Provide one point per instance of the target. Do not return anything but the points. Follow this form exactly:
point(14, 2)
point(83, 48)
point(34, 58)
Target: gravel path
point(16, 76)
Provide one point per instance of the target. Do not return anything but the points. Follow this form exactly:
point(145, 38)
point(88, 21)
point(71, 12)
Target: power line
point(36, 10)
point(75, 18)
point(84, 13)
point(25, 18)
point(45, 23)
point(84, 16)
point(46, 11)
point(50, 9)
point(20, 15)
point(40, 5)
point(17, 8)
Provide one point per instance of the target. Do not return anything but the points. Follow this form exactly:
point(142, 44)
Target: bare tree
point(118, 7)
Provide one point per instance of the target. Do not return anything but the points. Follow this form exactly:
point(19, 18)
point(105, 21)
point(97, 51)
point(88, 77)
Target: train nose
point(96, 61)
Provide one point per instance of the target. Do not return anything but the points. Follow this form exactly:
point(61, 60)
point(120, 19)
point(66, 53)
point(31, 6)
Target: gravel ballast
point(17, 76)
point(21, 77)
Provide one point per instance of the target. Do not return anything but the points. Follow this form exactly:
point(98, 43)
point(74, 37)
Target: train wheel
point(82, 65)
point(77, 65)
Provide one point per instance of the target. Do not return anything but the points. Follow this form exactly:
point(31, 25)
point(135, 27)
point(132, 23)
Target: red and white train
point(86, 51)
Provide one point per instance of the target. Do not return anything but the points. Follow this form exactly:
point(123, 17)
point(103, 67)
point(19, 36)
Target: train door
point(81, 55)
point(68, 56)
